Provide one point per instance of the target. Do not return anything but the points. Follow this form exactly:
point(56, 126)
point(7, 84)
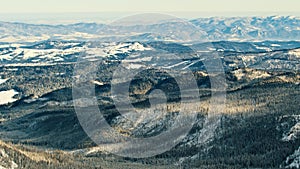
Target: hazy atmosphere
point(70, 11)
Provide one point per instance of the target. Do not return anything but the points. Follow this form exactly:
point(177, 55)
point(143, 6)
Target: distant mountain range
point(209, 29)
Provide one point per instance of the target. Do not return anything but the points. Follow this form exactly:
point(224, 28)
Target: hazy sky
point(26, 6)
point(63, 11)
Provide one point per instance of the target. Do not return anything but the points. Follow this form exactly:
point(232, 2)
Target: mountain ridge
point(214, 29)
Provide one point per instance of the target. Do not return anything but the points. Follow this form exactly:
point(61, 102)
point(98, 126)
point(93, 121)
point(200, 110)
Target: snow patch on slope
point(65, 52)
point(294, 132)
point(8, 96)
point(295, 52)
point(293, 160)
point(120, 48)
point(3, 80)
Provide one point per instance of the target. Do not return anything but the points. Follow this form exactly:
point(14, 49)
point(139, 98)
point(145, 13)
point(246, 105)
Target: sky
point(38, 10)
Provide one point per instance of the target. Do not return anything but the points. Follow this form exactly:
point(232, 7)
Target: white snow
point(95, 52)
point(3, 80)
point(7, 96)
point(276, 17)
point(211, 49)
point(5, 57)
point(30, 100)
point(98, 83)
point(26, 54)
point(275, 45)
point(42, 56)
point(263, 48)
point(138, 47)
point(191, 64)
point(139, 59)
point(295, 52)
point(20, 39)
point(293, 134)
point(175, 65)
point(12, 69)
point(59, 74)
point(109, 49)
point(296, 160)
point(134, 66)
point(114, 48)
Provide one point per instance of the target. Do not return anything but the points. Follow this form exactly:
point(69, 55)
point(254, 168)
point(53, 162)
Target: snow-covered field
point(8, 96)
point(3, 80)
point(295, 158)
point(63, 52)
